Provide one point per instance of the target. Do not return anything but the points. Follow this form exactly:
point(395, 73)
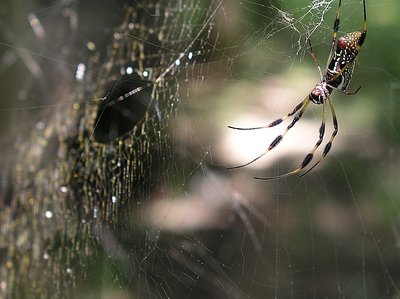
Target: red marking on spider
point(342, 43)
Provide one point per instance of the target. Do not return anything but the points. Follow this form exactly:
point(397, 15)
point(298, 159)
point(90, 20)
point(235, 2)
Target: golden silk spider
point(338, 74)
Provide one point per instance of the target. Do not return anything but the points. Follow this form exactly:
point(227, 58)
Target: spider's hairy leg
point(328, 146)
point(310, 155)
point(277, 121)
point(336, 26)
point(279, 138)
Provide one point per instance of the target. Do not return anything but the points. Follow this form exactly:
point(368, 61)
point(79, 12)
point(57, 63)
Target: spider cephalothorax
point(338, 74)
point(320, 93)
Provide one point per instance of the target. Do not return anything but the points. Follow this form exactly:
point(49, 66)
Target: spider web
point(115, 148)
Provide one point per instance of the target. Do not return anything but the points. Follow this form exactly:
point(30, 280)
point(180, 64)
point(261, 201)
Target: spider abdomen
point(341, 66)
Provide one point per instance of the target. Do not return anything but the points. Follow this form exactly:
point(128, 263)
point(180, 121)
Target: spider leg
point(279, 138)
point(277, 121)
point(336, 25)
point(314, 57)
point(329, 144)
point(364, 33)
point(347, 93)
point(309, 156)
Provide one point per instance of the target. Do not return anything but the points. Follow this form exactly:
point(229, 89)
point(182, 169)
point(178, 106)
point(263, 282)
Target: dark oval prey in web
point(118, 114)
